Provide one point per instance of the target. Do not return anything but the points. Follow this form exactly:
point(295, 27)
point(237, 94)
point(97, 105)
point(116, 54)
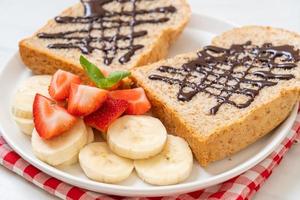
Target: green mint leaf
point(93, 72)
point(113, 78)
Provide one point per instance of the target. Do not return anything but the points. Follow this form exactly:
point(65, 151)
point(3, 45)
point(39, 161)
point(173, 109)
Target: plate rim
point(151, 191)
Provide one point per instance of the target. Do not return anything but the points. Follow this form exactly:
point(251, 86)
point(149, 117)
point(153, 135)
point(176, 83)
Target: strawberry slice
point(137, 99)
point(84, 100)
point(111, 110)
point(60, 84)
point(50, 119)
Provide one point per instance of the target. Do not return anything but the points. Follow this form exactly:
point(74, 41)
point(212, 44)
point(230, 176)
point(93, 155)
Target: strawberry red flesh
point(60, 84)
point(111, 110)
point(84, 100)
point(50, 119)
point(137, 99)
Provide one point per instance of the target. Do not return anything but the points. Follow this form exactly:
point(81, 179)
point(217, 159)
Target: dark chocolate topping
point(97, 18)
point(242, 70)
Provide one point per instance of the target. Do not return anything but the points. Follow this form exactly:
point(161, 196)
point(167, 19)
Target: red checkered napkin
point(242, 187)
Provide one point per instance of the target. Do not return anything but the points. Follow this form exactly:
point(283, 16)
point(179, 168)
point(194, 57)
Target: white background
point(20, 18)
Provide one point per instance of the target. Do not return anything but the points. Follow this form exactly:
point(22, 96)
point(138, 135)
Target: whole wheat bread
point(157, 23)
point(215, 132)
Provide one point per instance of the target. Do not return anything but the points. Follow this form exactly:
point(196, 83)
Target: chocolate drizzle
point(241, 70)
point(97, 18)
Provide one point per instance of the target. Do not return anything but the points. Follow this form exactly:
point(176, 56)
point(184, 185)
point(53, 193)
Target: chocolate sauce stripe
point(122, 22)
point(59, 34)
point(67, 19)
point(94, 39)
point(116, 38)
point(126, 57)
point(77, 45)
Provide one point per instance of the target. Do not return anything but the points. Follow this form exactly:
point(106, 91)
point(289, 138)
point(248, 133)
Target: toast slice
point(222, 100)
point(113, 34)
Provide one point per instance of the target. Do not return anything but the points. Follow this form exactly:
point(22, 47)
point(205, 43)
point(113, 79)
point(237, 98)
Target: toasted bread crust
point(241, 34)
point(45, 61)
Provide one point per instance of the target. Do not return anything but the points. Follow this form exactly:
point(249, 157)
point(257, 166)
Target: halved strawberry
point(137, 99)
point(50, 119)
point(111, 110)
point(60, 84)
point(84, 100)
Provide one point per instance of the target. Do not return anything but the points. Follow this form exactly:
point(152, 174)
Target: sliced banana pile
point(158, 158)
point(22, 103)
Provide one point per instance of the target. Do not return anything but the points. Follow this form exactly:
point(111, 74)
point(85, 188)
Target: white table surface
point(19, 18)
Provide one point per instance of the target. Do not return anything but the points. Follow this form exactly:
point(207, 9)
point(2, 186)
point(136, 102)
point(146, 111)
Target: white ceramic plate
point(198, 33)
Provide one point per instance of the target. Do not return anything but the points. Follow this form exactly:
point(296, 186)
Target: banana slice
point(74, 159)
point(25, 125)
point(99, 163)
point(136, 137)
point(69, 162)
point(61, 148)
point(36, 83)
point(173, 165)
point(90, 134)
point(22, 103)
